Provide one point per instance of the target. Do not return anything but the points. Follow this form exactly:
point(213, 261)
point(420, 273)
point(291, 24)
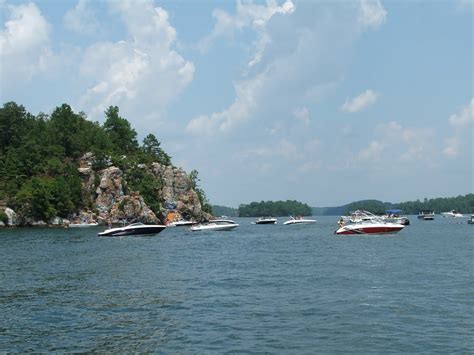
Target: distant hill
point(374, 206)
point(274, 208)
point(224, 211)
point(462, 203)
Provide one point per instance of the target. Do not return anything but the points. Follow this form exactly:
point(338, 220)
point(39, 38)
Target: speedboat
point(133, 229)
point(266, 220)
point(452, 214)
point(181, 223)
point(426, 215)
point(374, 225)
point(299, 220)
point(471, 219)
point(215, 225)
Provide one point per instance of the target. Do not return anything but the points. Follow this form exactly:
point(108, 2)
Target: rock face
point(106, 201)
point(12, 217)
point(106, 189)
point(179, 199)
point(109, 189)
point(132, 208)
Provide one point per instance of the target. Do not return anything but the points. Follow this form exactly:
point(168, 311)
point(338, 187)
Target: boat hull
point(145, 230)
point(181, 224)
point(305, 221)
point(266, 222)
point(213, 227)
point(378, 229)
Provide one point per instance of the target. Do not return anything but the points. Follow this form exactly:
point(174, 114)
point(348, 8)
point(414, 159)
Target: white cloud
point(396, 144)
point(461, 136)
point(303, 64)
point(82, 18)
point(310, 167)
point(238, 112)
point(373, 152)
point(372, 13)
point(247, 14)
point(452, 146)
point(364, 100)
point(463, 118)
point(24, 44)
point(302, 114)
point(142, 74)
point(466, 4)
point(250, 15)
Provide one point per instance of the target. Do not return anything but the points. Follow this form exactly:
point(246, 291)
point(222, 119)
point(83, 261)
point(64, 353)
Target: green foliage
point(3, 217)
point(225, 211)
point(119, 131)
point(39, 159)
point(464, 204)
point(151, 148)
point(278, 208)
point(374, 206)
point(139, 179)
point(205, 205)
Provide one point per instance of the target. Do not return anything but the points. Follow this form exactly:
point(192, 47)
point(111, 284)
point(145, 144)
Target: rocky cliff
point(105, 188)
point(110, 200)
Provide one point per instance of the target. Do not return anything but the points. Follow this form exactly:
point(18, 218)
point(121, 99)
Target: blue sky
point(325, 102)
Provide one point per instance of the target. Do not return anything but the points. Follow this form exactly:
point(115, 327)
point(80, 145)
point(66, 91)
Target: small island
point(274, 208)
point(63, 169)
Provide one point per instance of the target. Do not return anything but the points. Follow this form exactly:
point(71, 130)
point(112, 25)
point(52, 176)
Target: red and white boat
point(370, 225)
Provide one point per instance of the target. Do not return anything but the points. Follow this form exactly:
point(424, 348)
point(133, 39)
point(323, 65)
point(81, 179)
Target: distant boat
point(471, 219)
point(395, 217)
point(133, 229)
point(426, 215)
point(299, 220)
point(266, 220)
point(83, 224)
point(452, 214)
point(215, 225)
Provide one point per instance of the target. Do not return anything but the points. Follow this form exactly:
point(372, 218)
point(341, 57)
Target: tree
point(12, 125)
point(205, 205)
point(151, 147)
point(119, 131)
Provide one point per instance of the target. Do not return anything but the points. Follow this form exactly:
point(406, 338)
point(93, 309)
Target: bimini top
point(393, 211)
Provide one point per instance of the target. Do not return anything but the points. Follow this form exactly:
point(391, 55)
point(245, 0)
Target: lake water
point(276, 289)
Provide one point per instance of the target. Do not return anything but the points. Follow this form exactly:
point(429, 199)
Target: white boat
point(85, 224)
point(266, 220)
point(395, 217)
point(133, 229)
point(426, 215)
point(357, 216)
point(452, 214)
point(372, 225)
point(215, 225)
point(299, 220)
point(181, 223)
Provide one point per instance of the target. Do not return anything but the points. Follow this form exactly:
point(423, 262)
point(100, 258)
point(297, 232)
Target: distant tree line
point(39, 157)
point(462, 203)
point(225, 211)
point(271, 208)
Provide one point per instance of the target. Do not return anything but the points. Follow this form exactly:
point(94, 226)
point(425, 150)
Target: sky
point(324, 102)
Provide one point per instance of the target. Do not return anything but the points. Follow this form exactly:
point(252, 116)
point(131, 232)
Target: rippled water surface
point(277, 289)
